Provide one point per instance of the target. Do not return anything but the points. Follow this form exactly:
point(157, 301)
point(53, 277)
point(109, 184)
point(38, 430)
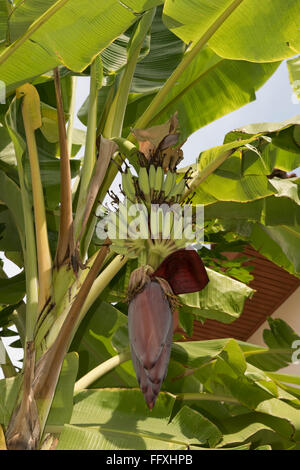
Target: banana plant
point(98, 316)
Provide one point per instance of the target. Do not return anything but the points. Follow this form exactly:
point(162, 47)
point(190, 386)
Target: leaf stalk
point(89, 158)
point(32, 121)
point(102, 369)
point(65, 244)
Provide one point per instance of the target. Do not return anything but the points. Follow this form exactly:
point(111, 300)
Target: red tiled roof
point(273, 285)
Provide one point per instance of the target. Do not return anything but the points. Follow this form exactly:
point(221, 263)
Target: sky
point(275, 103)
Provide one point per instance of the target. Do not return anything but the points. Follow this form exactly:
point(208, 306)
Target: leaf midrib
point(126, 432)
point(185, 90)
point(94, 353)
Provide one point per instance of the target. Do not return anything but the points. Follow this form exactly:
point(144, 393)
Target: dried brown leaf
point(151, 138)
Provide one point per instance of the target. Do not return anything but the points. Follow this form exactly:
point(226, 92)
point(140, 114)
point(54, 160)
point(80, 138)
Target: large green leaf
point(268, 359)
point(22, 17)
point(69, 32)
point(119, 419)
point(164, 54)
point(225, 186)
point(258, 429)
point(282, 208)
point(10, 195)
point(222, 299)
point(287, 381)
point(280, 409)
point(293, 66)
point(277, 146)
point(9, 239)
point(192, 363)
point(280, 244)
point(231, 162)
point(93, 342)
point(241, 176)
point(216, 382)
point(166, 51)
point(280, 335)
point(219, 175)
point(3, 22)
point(229, 378)
point(196, 353)
point(208, 88)
point(233, 210)
point(250, 387)
point(266, 128)
point(277, 243)
point(6, 315)
point(161, 53)
point(9, 389)
point(7, 154)
point(12, 289)
point(255, 31)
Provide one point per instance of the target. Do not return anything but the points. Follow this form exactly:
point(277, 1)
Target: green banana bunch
point(152, 185)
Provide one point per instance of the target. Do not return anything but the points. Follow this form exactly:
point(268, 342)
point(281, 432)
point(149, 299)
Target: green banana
point(169, 182)
point(122, 228)
point(152, 175)
point(178, 189)
point(154, 224)
point(159, 179)
point(177, 227)
point(168, 228)
point(144, 183)
point(128, 185)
